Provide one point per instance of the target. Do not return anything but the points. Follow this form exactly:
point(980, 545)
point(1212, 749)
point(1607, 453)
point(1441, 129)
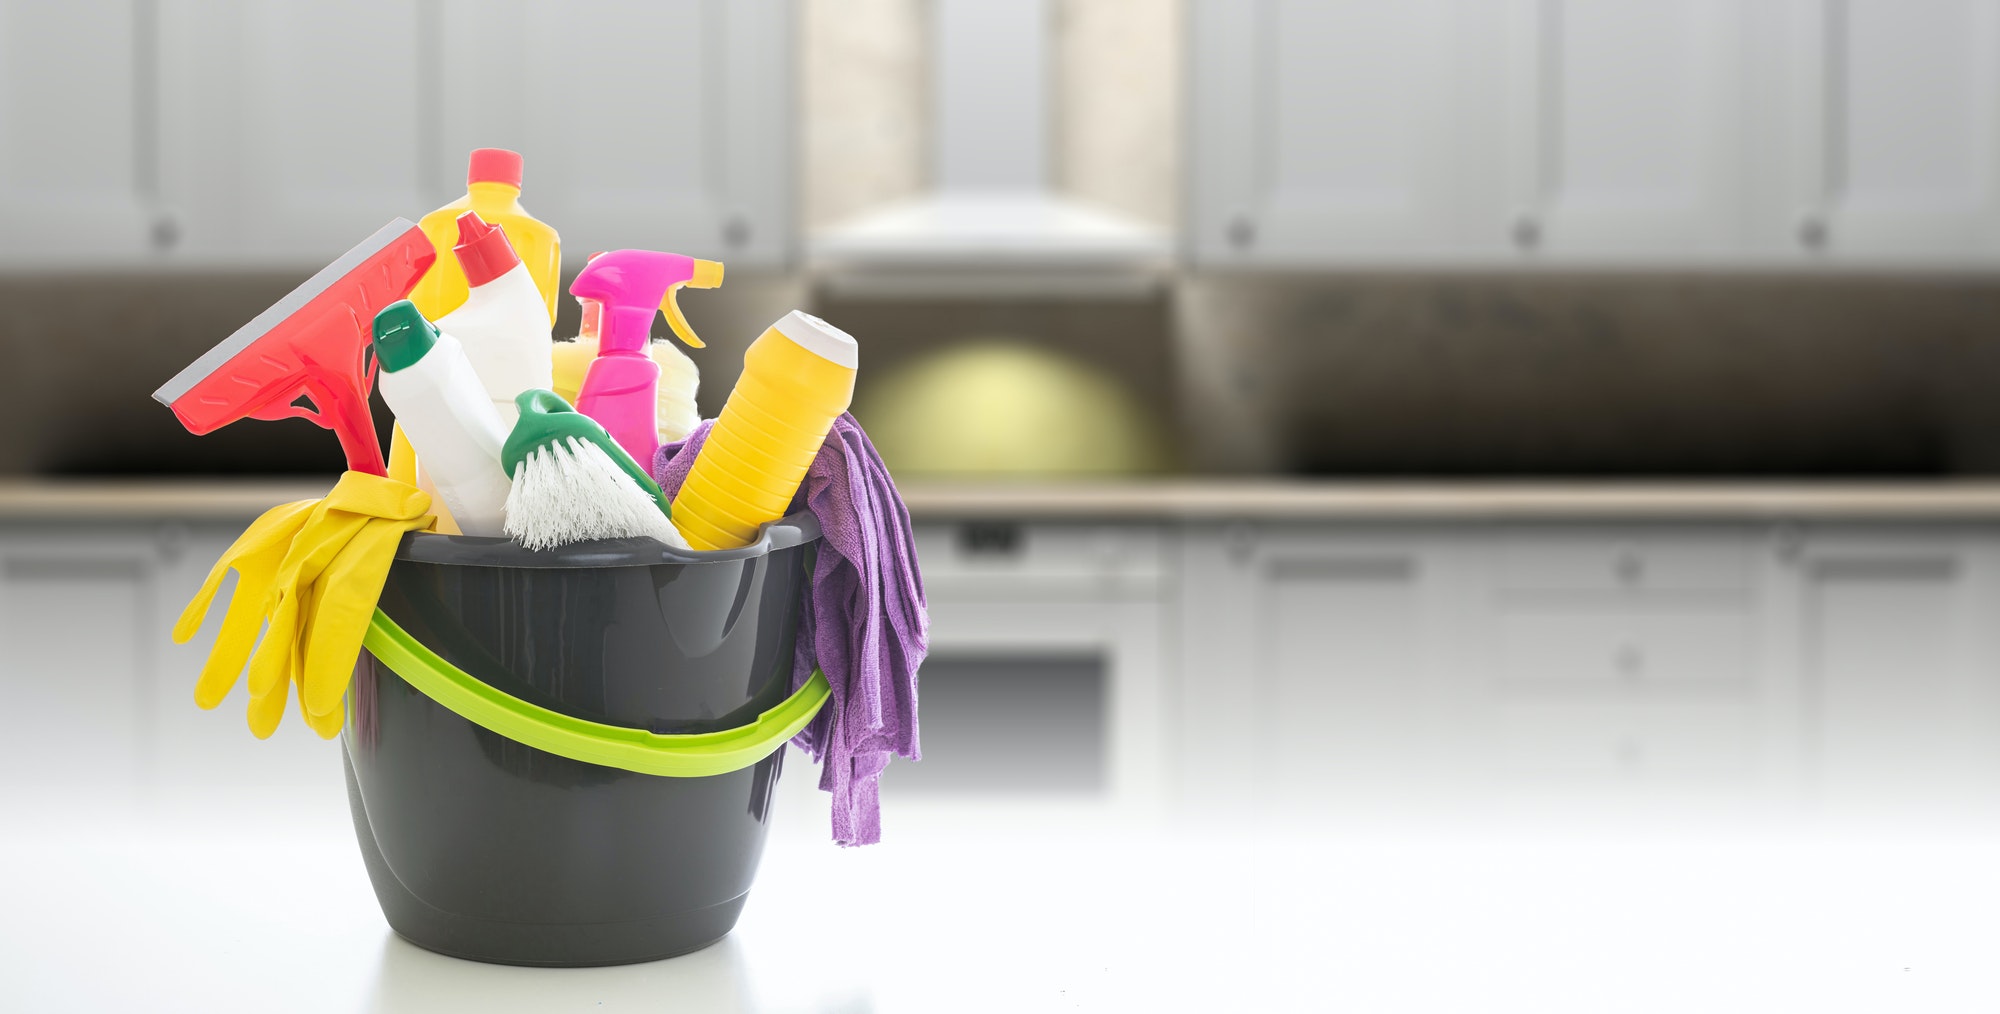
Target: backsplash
point(1027, 387)
point(1592, 374)
point(1368, 375)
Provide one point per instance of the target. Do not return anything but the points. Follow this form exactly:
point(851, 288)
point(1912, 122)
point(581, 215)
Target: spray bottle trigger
point(679, 323)
point(707, 275)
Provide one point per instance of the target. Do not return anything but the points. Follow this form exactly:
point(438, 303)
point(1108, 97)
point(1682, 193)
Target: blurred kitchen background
point(1321, 410)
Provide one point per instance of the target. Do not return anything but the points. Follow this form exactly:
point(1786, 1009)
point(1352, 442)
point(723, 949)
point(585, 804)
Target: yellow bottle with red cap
point(798, 377)
point(493, 190)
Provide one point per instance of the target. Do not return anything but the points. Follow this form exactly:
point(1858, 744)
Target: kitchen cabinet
point(665, 125)
point(1366, 667)
point(1895, 669)
point(1319, 665)
point(78, 615)
point(239, 134)
point(78, 173)
point(102, 701)
point(291, 131)
point(1625, 128)
point(1467, 133)
point(1625, 657)
point(1702, 133)
point(1343, 132)
point(1297, 669)
point(1738, 667)
point(1893, 130)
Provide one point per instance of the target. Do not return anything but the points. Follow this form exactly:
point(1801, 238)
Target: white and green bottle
point(446, 414)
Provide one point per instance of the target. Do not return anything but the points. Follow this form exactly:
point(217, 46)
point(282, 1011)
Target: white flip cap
point(820, 338)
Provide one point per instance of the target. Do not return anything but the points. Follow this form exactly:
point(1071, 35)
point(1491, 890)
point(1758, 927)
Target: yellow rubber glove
point(313, 571)
point(254, 556)
point(344, 596)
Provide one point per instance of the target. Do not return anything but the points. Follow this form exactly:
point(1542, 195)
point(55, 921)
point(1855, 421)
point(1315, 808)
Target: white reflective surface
point(1039, 909)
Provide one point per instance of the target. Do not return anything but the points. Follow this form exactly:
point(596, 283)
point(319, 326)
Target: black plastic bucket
point(484, 847)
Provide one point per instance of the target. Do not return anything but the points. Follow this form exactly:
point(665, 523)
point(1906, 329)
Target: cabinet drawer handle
point(166, 233)
point(1241, 232)
point(1813, 232)
point(173, 541)
point(736, 231)
point(1630, 661)
point(1526, 232)
point(1789, 545)
point(1630, 569)
point(1240, 542)
point(990, 540)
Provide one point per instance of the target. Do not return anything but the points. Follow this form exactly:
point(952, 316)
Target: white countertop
point(1186, 499)
point(1018, 913)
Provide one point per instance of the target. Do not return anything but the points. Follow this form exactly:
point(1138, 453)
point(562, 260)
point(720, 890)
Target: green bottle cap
point(402, 335)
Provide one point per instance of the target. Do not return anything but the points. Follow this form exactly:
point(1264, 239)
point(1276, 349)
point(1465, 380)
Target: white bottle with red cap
point(503, 323)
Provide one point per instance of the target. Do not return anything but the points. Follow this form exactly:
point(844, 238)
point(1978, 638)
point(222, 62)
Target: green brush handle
point(549, 421)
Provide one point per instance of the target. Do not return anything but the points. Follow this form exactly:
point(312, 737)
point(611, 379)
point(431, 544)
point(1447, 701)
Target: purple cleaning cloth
point(864, 621)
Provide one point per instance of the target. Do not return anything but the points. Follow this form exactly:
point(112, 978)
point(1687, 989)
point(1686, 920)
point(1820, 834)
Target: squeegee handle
point(345, 412)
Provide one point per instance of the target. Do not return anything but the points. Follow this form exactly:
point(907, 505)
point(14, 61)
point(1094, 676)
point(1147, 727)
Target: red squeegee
point(308, 355)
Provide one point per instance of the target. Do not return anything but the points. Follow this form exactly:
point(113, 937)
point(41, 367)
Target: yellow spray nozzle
point(707, 275)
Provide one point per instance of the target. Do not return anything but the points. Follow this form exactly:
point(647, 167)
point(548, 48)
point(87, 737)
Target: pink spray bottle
point(627, 286)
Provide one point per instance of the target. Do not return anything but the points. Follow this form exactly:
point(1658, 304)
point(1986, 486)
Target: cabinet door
point(1318, 666)
point(1896, 129)
point(76, 612)
point(292, 131)
point(76, 158)
point(1898, 674)
point(1349, 131)
point(664, 124)
point(1625, 128)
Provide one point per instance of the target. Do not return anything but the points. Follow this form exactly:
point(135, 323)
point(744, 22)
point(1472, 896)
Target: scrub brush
point(573, 483)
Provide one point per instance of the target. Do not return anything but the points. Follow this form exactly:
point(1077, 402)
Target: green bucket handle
point(691, 755)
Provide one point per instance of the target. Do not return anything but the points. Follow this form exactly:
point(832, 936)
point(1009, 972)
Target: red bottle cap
point(483, 251)
point(494, 165)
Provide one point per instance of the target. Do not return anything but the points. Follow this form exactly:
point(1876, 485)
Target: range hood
point(991, 225)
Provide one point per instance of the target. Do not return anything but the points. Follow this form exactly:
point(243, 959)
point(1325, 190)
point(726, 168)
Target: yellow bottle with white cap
point(798, 377)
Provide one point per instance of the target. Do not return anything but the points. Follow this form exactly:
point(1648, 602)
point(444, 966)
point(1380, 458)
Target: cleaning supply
point(308, 575)
point(620, 388)
point(573, 483)
point(674, 411)
point(311, 347)
point(501, 323)
point(435, 392)
point(493, 191)
point(864, 621)
point(679, 381)
point(798, 376)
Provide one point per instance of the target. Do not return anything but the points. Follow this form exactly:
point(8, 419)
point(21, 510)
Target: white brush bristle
point(578, 494)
